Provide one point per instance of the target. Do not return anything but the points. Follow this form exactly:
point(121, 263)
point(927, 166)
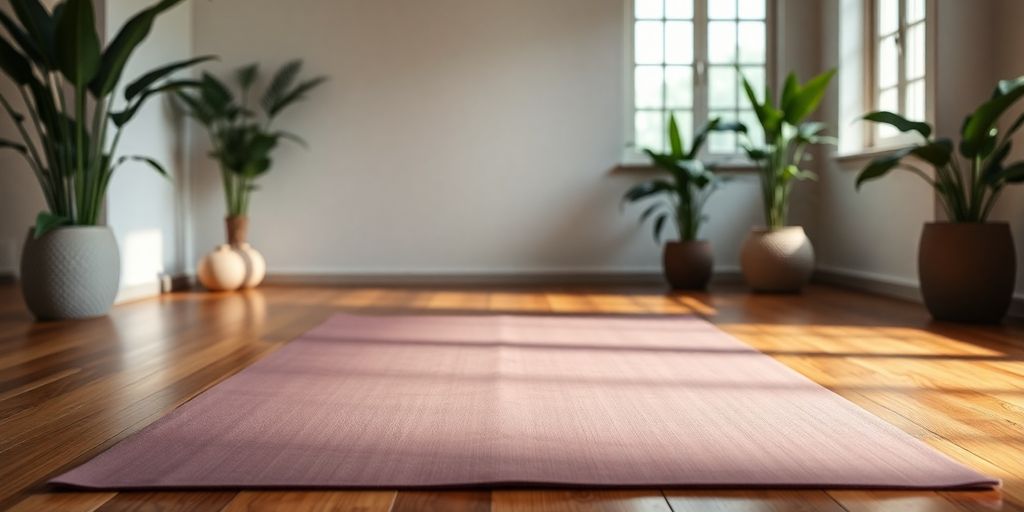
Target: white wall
point(455, 136)
point(1009, 61)
point(143, 208)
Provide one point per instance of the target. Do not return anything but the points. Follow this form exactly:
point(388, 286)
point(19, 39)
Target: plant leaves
point(674, 139)
point(121, 118)
point(39, 29)
point(8, 144)
point(142, 83)
point(280, 84)
point(647, 189)
point(78, 46)
point(882, 165)
point(14, 64)
point(1012, 174)
point(28, 47)
point(937, 153)
point(978, 127)
point(899, 122)
point(246, 76)
point(46, 222)
point(807, 98)
point(146, 160)
point(123, 45)
point(659, 224)
point(297, 94)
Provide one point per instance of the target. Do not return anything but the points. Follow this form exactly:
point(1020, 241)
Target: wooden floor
point(70, 390)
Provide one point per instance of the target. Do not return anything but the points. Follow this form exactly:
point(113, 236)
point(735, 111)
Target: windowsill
point(866, 154)
point(737, 167)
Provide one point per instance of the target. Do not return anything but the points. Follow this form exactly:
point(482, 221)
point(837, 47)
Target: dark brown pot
point(238, 229)
point(688, 265)
point(967, 271)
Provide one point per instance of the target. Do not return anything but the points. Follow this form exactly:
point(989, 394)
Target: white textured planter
point(777, 260)
point(70, 272)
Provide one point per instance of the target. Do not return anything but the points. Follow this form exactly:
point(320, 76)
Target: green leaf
point(882, 165)
point(139, 86)
point(648, 189)
point(215, 94)
point(14, 64)
point(978, 127)
point(297, 94)
point(899, 122)
point(78, 46)
point(713, 125)
point(789, 90)
point(39, 28)
point(659, 224)
point(7, 144)
point(292, 137)
point(280, 84)
point(121, 118)
point(247, 75)
point(146, 160)
point(123, 45)
point(807, 98)
point(937, 153)
point(46, 222)
point(650, 211)
point(28, 47)
point(1012, 174)
point(674, 139)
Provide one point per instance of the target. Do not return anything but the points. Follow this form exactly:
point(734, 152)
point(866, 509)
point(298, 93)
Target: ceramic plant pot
point(967, 271)
point(777, 260)
point(255, 265)
point(70, 272)
point(223, 269)
point(688, 264)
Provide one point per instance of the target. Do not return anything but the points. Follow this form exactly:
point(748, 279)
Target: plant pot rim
point(764, 229)
point(1001, 223)
point(75, 227)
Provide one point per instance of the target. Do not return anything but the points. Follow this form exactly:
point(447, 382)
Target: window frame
point(632, 155)
point(872, 87)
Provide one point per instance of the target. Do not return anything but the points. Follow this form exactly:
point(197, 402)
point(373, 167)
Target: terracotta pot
point(70, 272)
point(688, 264)
point(967, 271)
point(237, 229)
point(223, 269)
point(777, 260)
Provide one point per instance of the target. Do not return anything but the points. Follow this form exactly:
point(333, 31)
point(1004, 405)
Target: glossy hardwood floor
point(69, 390)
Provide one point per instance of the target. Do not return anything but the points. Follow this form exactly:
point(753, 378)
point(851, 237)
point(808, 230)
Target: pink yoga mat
point(426, 401)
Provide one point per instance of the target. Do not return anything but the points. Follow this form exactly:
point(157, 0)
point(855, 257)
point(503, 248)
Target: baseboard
point(888, 286)
point(522, 279)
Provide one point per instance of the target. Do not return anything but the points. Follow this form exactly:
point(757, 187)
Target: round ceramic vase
point(70, 273)
point(688, 264)
point(777, 260)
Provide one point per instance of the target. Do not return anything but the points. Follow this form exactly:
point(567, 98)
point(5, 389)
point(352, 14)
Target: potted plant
point(967, 265)
point(243, 141)
point(688, 262)
point(779, 257)
point(70, 265)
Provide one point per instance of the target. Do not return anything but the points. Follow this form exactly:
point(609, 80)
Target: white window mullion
point(700, 64)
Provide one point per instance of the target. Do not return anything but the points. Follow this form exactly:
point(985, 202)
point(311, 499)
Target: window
point(900, 73)
point(687, 60)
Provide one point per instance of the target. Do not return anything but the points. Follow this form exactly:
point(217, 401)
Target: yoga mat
point(436, 401)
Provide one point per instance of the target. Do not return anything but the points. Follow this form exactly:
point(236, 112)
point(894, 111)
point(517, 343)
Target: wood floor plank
point(312, 501)
point(192, 501)
point(443, 501)
point(63, 501)
point(751, 501)
point(578, 501)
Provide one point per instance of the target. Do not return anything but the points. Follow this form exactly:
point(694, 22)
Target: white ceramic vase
point(229, 268)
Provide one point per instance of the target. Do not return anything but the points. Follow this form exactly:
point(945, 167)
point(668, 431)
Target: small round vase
point(688, 264)
point(71, 272)
point(255, 265)
point(777, 260)
point(223, 269)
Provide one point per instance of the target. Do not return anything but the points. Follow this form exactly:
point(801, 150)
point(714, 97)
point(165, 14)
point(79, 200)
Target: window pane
point(649, 43)
point(915, 107)
point(915, 11)
point(754, 131)
point(684, 119)
point(752, 9)
point(752, 42)
point(679, 9)
point(915, 53)
point(888, 16)
point(756, 77)
point(679, 86)
point(722, 9)
point(648, 83)
point(721, 42)
point(650, 130)
point(722, 142)
point(648, 9)
point(888, 62)
point(888, 100)
point(722, 87)
point(679, 42)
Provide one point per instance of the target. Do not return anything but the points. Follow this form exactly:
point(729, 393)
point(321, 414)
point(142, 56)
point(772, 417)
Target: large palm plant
point(242, 139)
point(968, 184)
point(787, 135)
point(67, 82)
